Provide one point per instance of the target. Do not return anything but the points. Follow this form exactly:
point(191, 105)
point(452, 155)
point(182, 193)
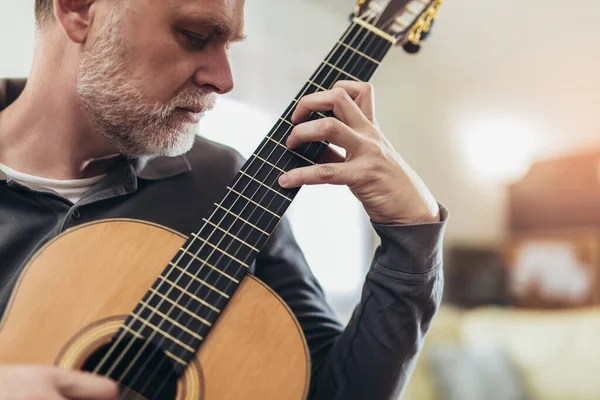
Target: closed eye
point(195, 41)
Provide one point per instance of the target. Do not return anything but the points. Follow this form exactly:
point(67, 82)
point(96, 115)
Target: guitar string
point(170, 289)
point(373, 68)
point(252, 215)
point(263, 212)
point(284, 134)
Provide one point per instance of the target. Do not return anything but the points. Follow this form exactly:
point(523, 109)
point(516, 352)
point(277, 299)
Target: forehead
point(225, 16)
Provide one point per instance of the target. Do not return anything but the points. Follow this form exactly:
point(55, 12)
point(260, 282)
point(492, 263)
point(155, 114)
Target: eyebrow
point(219, 28)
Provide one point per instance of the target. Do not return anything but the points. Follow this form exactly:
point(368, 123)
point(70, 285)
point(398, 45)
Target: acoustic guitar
point(176, 317)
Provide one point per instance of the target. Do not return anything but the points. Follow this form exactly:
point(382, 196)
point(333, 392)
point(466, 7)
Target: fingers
point(333, 174)
point(351, 102)
point(75, 385)
point(329, 129)
point(363, 95)
point(337, 100)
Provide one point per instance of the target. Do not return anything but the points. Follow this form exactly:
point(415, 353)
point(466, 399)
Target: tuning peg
point(411, 48)
point(425, 35)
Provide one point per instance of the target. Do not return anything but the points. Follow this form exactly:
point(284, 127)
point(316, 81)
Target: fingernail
point(283, 180)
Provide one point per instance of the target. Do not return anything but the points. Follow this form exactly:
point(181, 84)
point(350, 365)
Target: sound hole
point(142, 374)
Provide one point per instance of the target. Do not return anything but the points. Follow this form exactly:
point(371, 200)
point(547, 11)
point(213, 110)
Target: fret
point(131, 331)
point(341, 71)
point(318, 87)
point(271, 164)
point(231, 235)
point(184, 281)
point(222, 252)
point(308, 89)
point(171, 320)
point(313, 150)
point(250, 212)
point(268, 187)
point(243, 220)
point(292, 151)
point(163, 333)
point(255, 203)
point(360, 53)
point(352, 63)
point(287, 122)
point(199, 300)
point(182, 308)
point(204, 263)
point(280, 156)
point(264, 173)
point(366, 42)
point(165, 301)
point(242, 229)
point(328, 76)
point(174, 357)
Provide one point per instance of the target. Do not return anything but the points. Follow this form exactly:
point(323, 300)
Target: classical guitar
point(170, 316)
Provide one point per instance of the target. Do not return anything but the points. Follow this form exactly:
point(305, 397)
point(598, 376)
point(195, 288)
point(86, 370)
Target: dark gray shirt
point(370, 358)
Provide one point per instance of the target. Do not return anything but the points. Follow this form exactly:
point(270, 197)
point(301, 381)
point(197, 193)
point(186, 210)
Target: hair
point(43, 12)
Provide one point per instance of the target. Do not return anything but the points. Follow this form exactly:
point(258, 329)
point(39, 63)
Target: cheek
point(159, 65)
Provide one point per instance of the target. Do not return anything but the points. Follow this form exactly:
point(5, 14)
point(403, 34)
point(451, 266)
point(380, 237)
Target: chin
point(177, 145)
point(181, 145)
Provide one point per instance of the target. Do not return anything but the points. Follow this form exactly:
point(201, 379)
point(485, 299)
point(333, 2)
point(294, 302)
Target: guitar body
point(76, 292)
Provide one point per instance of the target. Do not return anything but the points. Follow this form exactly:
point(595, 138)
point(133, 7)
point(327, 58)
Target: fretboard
point(185, 302)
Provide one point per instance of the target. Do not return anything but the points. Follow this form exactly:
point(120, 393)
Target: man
point(104, 127)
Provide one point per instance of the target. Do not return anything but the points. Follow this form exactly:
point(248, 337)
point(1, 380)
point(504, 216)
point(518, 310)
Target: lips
point(193, 110)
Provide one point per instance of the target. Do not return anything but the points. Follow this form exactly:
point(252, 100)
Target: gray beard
point(117, 107)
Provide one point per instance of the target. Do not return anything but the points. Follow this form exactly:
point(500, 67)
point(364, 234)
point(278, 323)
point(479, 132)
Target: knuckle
point(340, 94)
point(378, 157)
point(367, 87)
point(326, 172)
point(330, 124)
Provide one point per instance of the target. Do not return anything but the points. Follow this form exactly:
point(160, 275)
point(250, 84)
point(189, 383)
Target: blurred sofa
point(496, 353)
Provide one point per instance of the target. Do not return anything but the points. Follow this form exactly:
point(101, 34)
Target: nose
point(215, 73)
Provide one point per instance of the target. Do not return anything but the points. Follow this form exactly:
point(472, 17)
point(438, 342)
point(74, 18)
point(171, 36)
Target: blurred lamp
point(500, 148)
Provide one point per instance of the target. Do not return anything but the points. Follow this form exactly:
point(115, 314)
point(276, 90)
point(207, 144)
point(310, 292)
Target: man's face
point(153, 67)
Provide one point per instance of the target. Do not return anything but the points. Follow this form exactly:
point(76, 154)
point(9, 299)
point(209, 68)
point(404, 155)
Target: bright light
point(500, 148)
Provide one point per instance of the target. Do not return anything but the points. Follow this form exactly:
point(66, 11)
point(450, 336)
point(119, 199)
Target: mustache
point(194, 99)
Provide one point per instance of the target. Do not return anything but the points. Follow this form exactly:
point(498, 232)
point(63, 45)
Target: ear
point(75, 17)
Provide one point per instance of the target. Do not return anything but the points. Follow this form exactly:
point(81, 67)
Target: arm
point(373, 356)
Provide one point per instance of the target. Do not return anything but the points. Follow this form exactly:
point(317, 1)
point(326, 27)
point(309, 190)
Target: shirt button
point(76, 214)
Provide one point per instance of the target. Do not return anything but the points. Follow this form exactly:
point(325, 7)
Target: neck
point(45, 131)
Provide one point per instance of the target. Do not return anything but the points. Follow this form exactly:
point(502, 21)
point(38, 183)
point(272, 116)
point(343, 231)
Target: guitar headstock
point(403, 22)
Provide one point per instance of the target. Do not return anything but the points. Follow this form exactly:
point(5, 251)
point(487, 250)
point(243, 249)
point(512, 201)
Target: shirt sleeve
point(373, 356)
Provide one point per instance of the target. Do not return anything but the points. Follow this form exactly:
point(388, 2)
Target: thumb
point(76, 385)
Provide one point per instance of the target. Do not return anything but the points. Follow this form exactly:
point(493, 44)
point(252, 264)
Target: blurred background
point(498, 113)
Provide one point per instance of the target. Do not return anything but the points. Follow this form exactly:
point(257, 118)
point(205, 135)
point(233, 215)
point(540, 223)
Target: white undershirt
point(71, 190)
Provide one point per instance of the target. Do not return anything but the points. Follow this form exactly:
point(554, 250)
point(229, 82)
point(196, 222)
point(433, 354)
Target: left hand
point(390, 191)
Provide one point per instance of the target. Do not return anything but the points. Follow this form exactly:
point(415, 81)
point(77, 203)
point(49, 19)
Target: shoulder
point(209, 156)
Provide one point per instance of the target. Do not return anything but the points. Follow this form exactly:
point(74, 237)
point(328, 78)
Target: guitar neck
point(254, 202)
point(208, 268)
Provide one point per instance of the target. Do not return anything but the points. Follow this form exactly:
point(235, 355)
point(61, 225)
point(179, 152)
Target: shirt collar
point(148, 168)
